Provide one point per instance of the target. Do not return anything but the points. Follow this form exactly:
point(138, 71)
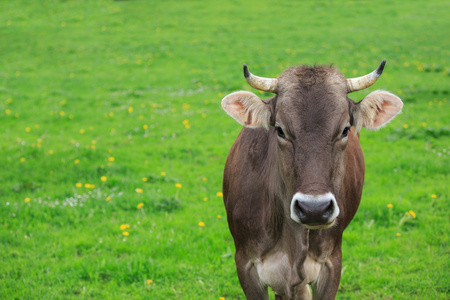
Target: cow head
point(311, 118)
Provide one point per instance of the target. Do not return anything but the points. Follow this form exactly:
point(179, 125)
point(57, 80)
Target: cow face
point(311, 118)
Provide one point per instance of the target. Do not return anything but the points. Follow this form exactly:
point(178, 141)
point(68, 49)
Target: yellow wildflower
point(126, 233)
point(390, 205)
point(111, 158)
point(163, 173)
point(144, 179)
point(50, 152)
point(145, 126)
point(103, 178)
point(178, 185)
point(219, 217)
point(28, 129)
point(140, 205)
point(7, 111)
point(22, 159)
point(78, 184)
point(138, 190)
point(108, 198)
point(82, 131)
point(205, 199)
point(130, 109)
point(398, 234)
point(201, 224)
point(204, 179)
point(413, 214)
point(149, 281)
point(405, 126)
point(27, 200)
point(76, 161)
point(219, 194)
point(124, 226)
point(434, 196)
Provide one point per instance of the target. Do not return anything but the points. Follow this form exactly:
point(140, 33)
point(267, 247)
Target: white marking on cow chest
point(273, 271)
point(312, 268)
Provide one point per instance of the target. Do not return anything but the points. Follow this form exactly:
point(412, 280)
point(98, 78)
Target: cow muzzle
point(315, 212)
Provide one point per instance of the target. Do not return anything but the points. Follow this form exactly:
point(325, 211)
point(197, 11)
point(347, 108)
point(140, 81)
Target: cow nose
point(314, 211)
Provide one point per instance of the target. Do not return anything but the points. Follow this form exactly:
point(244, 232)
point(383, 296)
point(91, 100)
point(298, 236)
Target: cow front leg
point(327, 283)
point(249, 279)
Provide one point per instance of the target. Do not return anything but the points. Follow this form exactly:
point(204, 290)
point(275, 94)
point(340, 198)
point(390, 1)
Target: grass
point(131, 90)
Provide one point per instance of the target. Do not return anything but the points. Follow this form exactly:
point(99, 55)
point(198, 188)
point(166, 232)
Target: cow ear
point(247, 109)
point(376, 110)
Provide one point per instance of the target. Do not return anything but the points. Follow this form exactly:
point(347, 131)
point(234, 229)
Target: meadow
point(113, 142)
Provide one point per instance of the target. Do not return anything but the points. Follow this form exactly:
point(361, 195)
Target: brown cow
point(294, 176)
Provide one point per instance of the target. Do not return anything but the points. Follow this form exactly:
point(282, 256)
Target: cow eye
point(280, 132)
point(346, 131)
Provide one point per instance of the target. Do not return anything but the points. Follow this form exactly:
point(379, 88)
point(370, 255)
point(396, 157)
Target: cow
point(293, 178)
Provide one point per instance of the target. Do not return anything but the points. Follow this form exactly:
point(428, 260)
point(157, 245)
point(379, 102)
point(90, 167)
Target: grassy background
point(129, 92)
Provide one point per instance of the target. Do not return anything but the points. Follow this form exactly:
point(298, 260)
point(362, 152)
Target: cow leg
point(327, 283)
point(249, 279)
point(304, 293)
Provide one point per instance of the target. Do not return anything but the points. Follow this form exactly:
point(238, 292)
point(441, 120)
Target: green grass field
point(113, 142)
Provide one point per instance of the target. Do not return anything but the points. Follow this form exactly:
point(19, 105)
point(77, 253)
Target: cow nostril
point(328, 210)
point(300, 210)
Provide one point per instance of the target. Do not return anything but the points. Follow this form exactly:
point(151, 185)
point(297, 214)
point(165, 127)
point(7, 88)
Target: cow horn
point(360, 83)
point(260, 83)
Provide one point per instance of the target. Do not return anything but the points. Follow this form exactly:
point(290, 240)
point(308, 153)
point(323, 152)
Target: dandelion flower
point(205, 199)
point(108, 198)
point(222, 298)
point(22, 159)
point(149, 281)
point(163, 173)
point(124, 226)
point(204, 179)
point(144, 179)
point(201, 224)
point(103, 178)
point(398, 234)
point(138, 190)
point(76, 161)
point(390, 205)
point(78, 184)
point(28, 129)
point(82, 131)
point(8, 111)
point(145, 126)
point(130, 109)
point(413, 214)
point(111, 158)
point(405, 126)
point(219, 194)
point(140, 205)
point(219, 217)
point(434, 196)
point(178, 185)
point(126, 233)
point(50, 152)
point(27, 200)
